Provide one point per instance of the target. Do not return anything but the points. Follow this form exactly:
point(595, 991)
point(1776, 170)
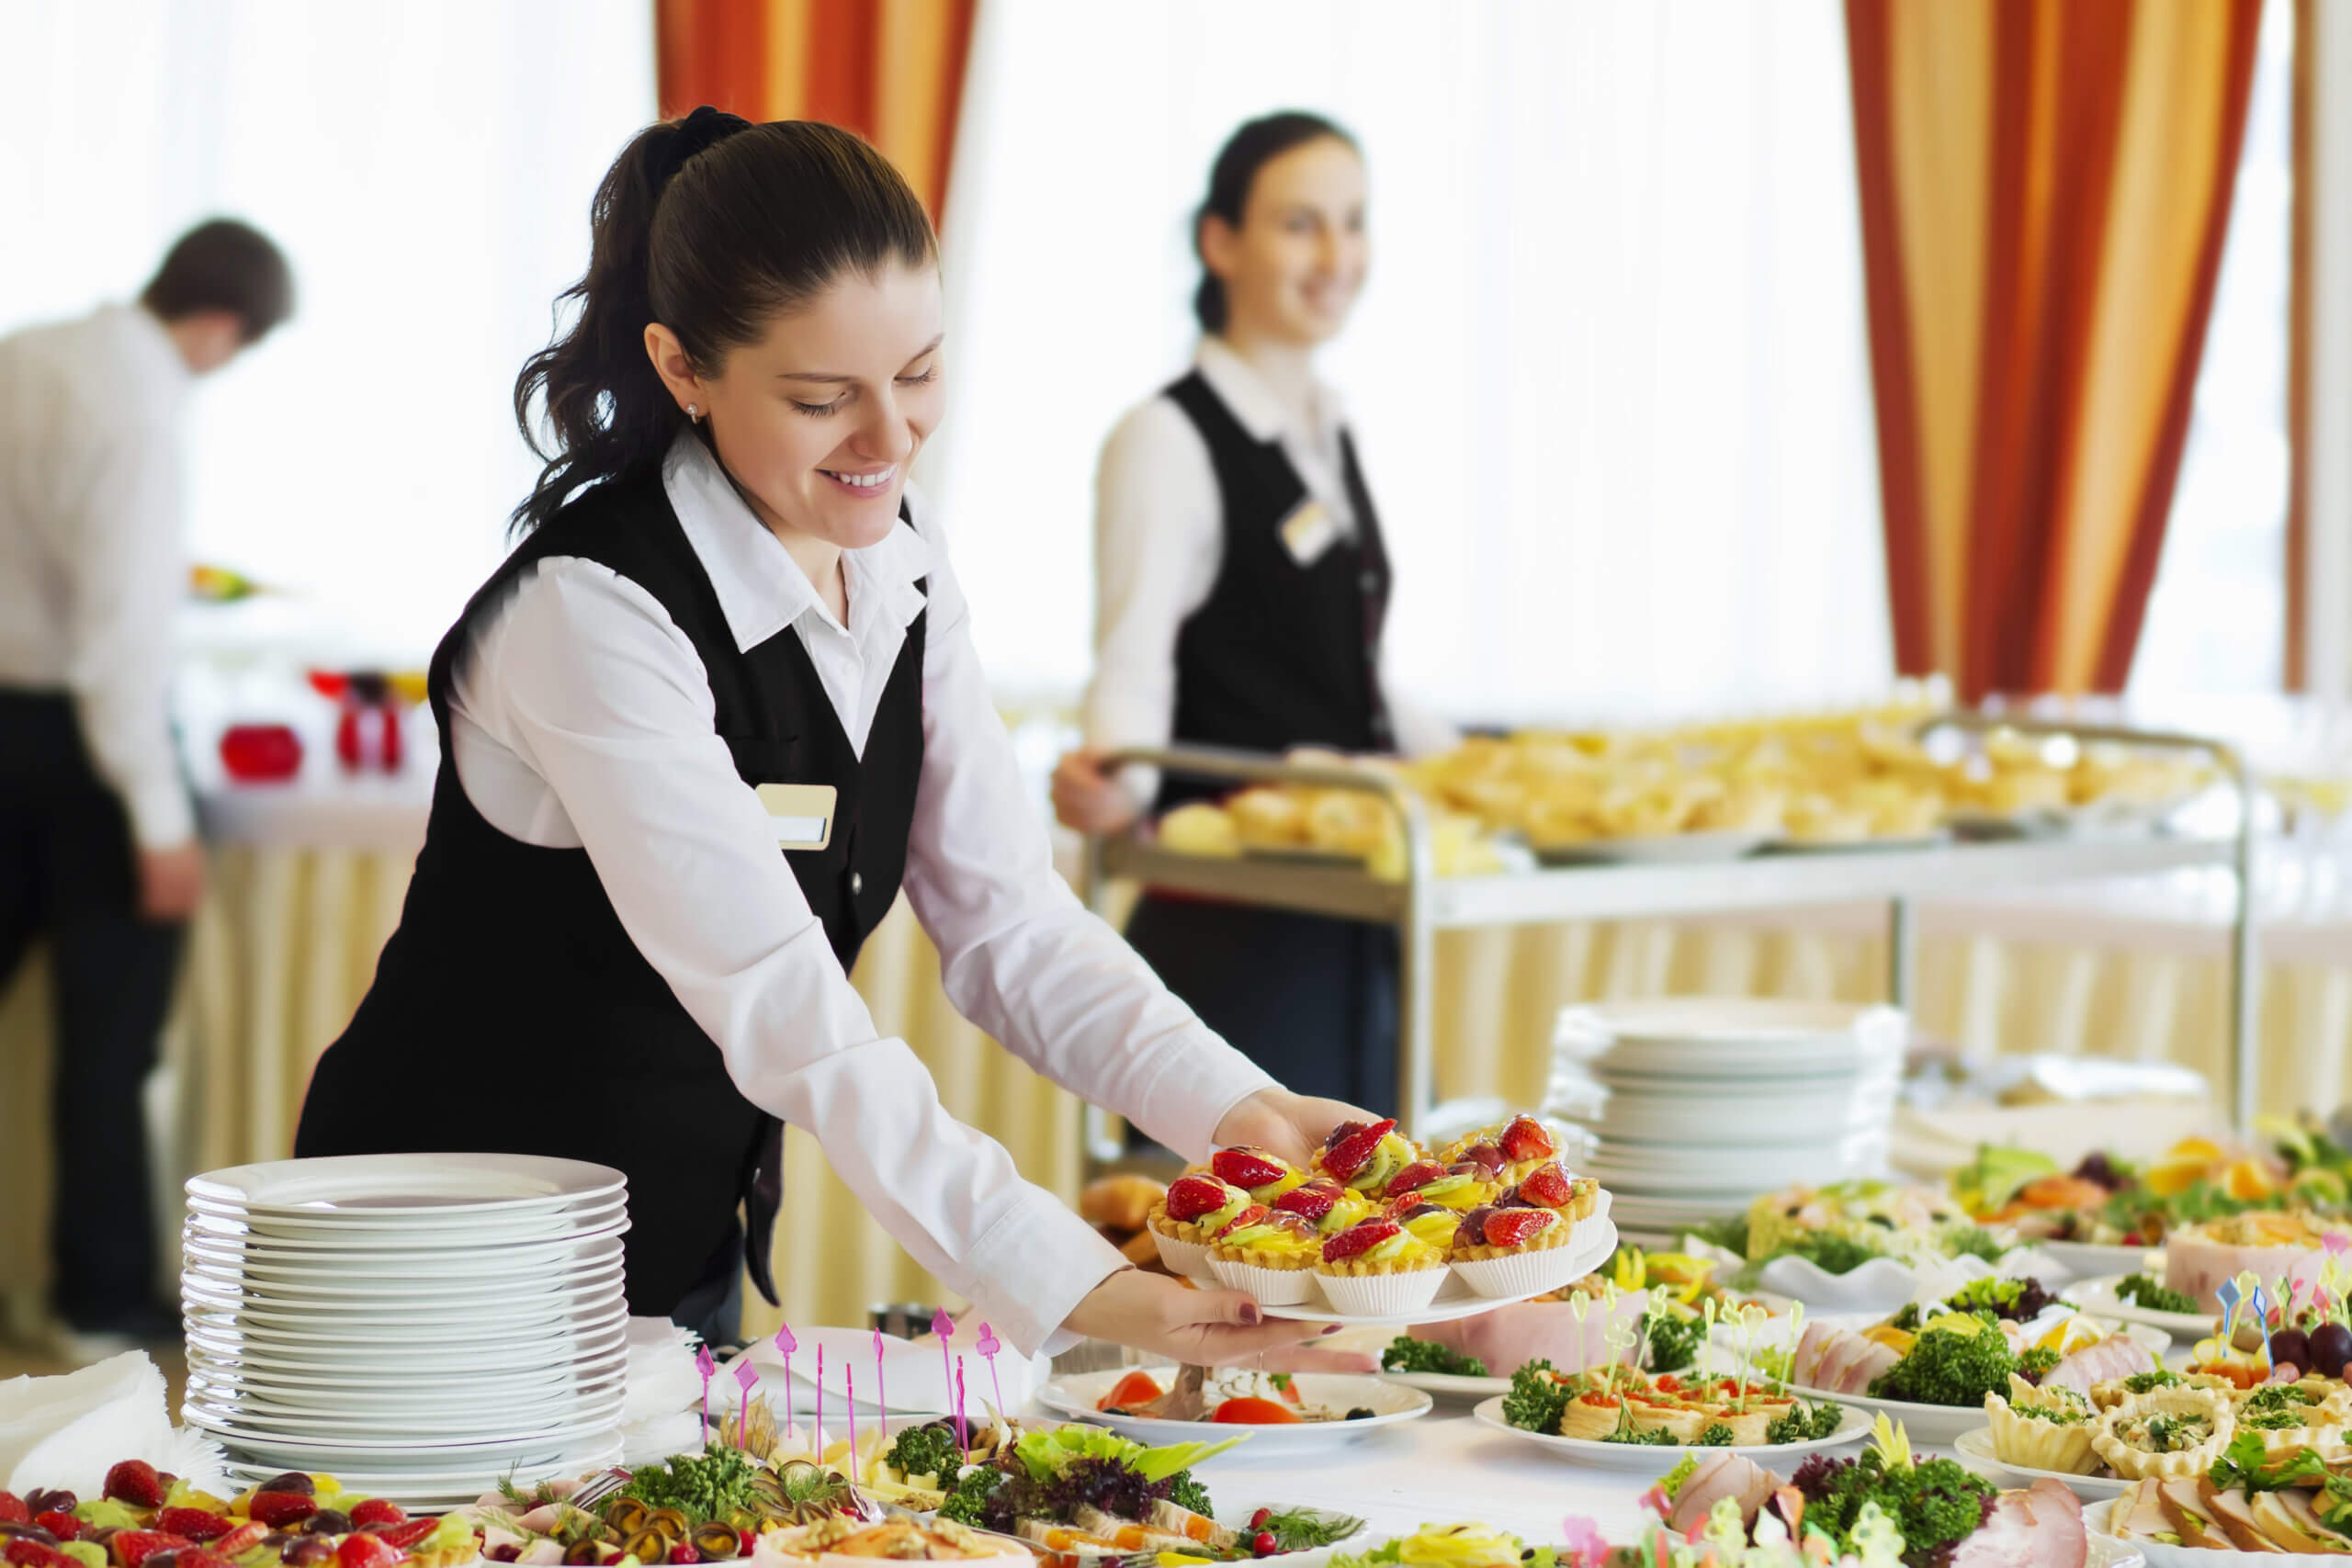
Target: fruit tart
point(1460, 1187)
point(1378, 1268)
point(2042, 1428)
point(1256, 1172)
point(1196, 1208)
point(1431, 1223)
point(2172, 1432)
point(1325, 1205)
point(1364, 1157)
point(1512, 1150)
point(1549, 1186)
point(1513, 1252)
point(1269, 1253)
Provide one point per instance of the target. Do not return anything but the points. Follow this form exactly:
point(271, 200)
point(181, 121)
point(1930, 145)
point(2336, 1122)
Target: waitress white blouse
point(580, 716)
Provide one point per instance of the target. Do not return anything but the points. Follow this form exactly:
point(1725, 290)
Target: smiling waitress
point(697, 732)
point(1241, 591)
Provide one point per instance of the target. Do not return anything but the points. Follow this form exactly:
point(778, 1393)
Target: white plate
point(450, 1488)
point(495, 1231)
point(253, 1286)
point(1449, 1385)
point(2098, 1296)
point(408, 1431)
point(1645, 1459)
point(1655, 848)
point(218, 1243)
point(2097, 1519)
point(1455, 1299)
point(521, 1320)
point(298, 1453)
point(1077, 1396)
point(1730, 1038)
point(552, 1397)
point(1925, 1423)
point(1759, 1170)
point(2092, 1260)
point(410, 1363)
point(403, 1384)
point(1761, 1121)
point(1977, 1447)
point(364, 1188)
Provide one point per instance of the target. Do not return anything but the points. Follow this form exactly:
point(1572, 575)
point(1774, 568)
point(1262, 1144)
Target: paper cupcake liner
point(1185, 1258)
point(1269, 1287)
point(1381, 1295)
point(1520, 1273)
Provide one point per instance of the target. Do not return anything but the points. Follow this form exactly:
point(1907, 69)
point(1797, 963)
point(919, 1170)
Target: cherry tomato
point(1256, 1413)
point(1135, 1388)
point(1263, 1544)
point(1258, 1520)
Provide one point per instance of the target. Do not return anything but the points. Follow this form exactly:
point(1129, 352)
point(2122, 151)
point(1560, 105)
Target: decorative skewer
point(786, 1345)
point(705, 1366)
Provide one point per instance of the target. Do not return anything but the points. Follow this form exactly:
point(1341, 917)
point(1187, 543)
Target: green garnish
point(1945, 1367)
point(2244, 1463)
point(1673, 1339)
point(2273, 1420)
point(1626, 1432)
point(1803, 1423)
point(2142, 1382)
point(967, 1503)
point(714, 1485)
point(2037, 1364)
point(1187, 1492)
point(1971, 1241)
point(1536, 1402)
point(2278, 1396)
point(1407, 1354)
point(2146, 1294)
point(1717, 1435)
point(927, 1450)
point(1305, 1529)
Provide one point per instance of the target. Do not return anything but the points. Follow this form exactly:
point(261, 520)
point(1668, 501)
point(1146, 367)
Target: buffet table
point(307, 882)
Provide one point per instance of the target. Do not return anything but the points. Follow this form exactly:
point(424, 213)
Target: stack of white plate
point(419, 1325)
point(1699, 1105)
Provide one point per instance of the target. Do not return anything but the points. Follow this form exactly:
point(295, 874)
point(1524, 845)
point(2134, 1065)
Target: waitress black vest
point(509, 1010)
point(1279, 655)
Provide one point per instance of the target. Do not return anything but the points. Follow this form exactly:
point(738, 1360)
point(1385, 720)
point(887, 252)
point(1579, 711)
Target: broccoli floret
point(1907, 1319)
point(2149, 1296)
point(1805, 1423)
point(1947, 1368)
point(1407, 1354)
point(1673, 1339)
point(1935, 1503)
point(1535, 1402)
point(967, 1503)
point(927, 1450)
point(1717, 1435)
point(1187, 1492)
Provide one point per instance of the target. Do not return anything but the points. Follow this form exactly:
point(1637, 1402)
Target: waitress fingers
point(1194, 1327)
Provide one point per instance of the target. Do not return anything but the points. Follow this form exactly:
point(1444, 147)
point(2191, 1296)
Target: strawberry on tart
point(1513, 1251)
point(1364, 1157)
point(1511, 1150)
point(1197, 1207)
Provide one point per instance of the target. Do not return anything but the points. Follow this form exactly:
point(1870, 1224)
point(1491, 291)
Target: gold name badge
point(1309, 530)
point(802, 815)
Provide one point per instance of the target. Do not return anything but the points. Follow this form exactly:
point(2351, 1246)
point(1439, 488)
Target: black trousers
point(68, 871)
point(1312, 1000)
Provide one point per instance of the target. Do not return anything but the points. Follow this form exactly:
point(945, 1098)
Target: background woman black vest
point(1241, 591)
point(695, 732)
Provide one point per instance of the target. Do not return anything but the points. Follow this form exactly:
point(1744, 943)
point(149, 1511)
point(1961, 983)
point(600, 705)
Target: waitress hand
point(1089, 798)
point(1191, 1327)
point(1288, 1126)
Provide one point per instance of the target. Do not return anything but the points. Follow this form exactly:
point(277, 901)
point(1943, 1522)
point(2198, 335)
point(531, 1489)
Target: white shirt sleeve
point(1158, 543)
point(585, 678)
point(129, 574)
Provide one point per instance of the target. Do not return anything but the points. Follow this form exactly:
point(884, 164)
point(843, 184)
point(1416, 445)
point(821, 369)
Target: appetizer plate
point(1455, 1298)
point(1977, 1447)
point(2092, 1260)
point(1657, 1459)
point(1655, 848)
point(2098, 1296)
point(2099, 1519)
point(1944, 1424)
point(1077, 1396)
point(436, 1190)
point(1449, 1385)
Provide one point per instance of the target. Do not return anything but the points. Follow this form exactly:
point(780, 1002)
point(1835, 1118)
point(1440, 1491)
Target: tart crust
point(2032, 1444)
point(2132, 1462)
point(1264, 1257)
point(1552, 1237)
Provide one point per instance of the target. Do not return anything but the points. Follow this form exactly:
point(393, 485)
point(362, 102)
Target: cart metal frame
point(1421, 904)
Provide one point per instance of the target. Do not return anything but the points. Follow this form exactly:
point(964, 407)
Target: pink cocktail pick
point(744, 1379)
point(786, 1345)
point(945, 1330)
point(963, 1427)
point(988, 1345)
point(849, 1393)
point(705, 1366)
point(881, 1388)
point(816, 1443)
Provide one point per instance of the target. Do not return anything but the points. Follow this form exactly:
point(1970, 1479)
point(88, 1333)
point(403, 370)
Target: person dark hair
point(711, 226)
point(224, 264)
point(1248, 150)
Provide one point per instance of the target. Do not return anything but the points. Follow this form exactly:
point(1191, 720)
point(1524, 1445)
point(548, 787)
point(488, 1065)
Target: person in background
point(1241, 587)
point(98, 839)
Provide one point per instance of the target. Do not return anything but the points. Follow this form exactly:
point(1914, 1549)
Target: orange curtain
point(890, 70)
point(2045, 184)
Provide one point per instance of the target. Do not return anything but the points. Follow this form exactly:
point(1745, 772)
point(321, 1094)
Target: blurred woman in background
point(1241, 586)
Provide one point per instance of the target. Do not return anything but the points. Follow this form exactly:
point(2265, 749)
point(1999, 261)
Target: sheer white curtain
point(427, 165)
point(1608, 377)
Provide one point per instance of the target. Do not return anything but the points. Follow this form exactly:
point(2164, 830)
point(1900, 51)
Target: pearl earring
point(693, 412)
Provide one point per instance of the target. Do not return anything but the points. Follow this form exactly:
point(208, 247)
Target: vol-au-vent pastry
point(2037, 1429)
point(2172, 1432)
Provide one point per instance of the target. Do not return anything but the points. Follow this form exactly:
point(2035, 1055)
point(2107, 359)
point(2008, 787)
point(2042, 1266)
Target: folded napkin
point(912, 1375)
point(662, 1377)
point(69, 1432)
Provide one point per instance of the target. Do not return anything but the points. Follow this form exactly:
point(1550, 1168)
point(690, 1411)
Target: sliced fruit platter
point(1628, 1419)
point(1932, 1366)
point(1378, 1229)
point(2154, 1424)
point(145, 1520)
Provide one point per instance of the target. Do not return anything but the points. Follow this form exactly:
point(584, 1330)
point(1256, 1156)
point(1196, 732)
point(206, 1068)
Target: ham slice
point(1720, 1475)
point(2041, 1527)
point(2141, 1511)
point(1866, 1368)
point(1805, 1367)
point(2118, 1356)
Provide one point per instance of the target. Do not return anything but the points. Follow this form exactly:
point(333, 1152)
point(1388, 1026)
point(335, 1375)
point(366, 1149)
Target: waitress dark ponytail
point(712, 226)
point(1248, 150)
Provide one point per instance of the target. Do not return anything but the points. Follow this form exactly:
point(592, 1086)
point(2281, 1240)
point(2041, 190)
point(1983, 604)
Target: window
point(1608, 377)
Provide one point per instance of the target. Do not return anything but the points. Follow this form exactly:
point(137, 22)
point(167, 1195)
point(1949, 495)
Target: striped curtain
point(890, 70)
point(2044, 184)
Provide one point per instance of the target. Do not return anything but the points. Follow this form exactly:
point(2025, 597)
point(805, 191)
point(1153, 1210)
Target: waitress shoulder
point(580, 716)
point(1160, 545)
